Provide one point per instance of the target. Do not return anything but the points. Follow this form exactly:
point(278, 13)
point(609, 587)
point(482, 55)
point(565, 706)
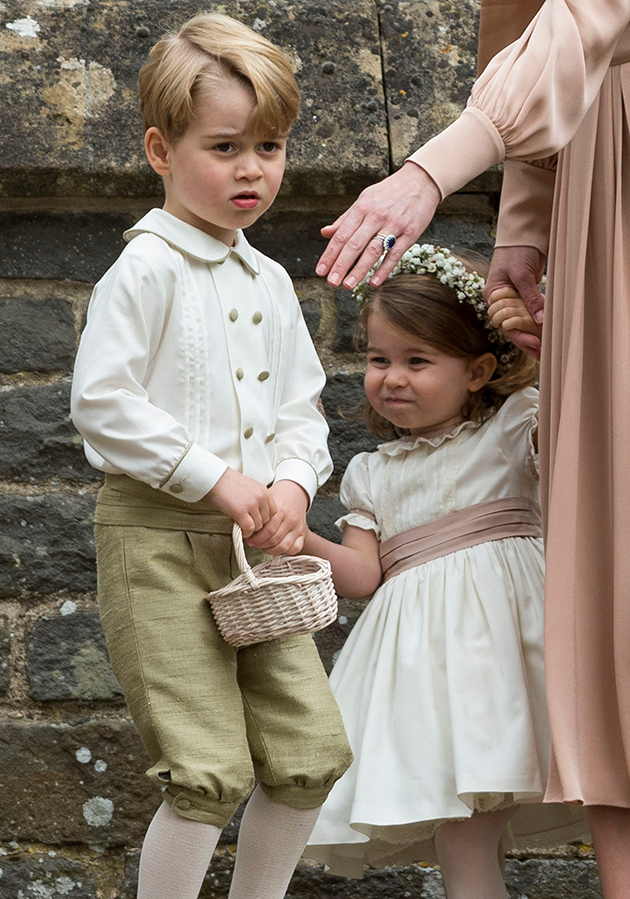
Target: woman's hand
point(517, 271)
point(402, 204)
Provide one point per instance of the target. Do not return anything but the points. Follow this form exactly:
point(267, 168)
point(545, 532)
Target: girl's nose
point(395, 376)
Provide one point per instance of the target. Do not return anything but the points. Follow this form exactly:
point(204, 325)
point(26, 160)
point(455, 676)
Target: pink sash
point(513, 516)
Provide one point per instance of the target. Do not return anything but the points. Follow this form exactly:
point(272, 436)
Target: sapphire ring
point(389, 241)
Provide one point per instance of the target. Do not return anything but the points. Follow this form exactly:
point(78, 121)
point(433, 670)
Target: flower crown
point(422, 259)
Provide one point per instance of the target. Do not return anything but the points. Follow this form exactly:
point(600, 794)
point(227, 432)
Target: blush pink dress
point(563, 87)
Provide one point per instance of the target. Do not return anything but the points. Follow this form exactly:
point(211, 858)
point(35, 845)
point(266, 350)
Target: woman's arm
point(356, 564)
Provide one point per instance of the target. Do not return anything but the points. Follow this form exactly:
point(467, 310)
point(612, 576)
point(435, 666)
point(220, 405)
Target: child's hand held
point(244, 499)
point(286, 529)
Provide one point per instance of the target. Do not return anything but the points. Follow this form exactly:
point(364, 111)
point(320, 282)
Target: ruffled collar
point(407, 443)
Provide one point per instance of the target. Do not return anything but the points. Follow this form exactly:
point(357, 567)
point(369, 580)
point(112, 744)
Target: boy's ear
point(481, 370)
point(157, 149)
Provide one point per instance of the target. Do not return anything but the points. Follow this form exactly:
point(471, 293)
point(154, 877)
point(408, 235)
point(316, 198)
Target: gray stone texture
point(67, 658)
point(5, 655)
point(74, 67)
point(37, 334)
point(37, 438)
point(343, 400)
point(80, 783)
point(46, 544)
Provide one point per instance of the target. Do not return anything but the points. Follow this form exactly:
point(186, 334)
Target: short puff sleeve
point(356, 495)
point(515, 424)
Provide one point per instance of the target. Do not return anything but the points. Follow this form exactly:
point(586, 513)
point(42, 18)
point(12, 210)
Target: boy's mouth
point(246, 200)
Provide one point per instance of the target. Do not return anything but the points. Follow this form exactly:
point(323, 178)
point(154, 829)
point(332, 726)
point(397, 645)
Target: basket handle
point(241, 558)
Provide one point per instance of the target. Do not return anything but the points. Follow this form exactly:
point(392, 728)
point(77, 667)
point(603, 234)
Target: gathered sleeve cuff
point(526, 203)
point(356, 495)
point(531, 97)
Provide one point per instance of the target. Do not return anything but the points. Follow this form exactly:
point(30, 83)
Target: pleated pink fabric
point(585, 437)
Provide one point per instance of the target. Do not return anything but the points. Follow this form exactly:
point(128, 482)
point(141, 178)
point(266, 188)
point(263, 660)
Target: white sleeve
point(124, 431)
point(356, 495)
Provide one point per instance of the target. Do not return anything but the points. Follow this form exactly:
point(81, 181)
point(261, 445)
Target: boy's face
point(220, 176)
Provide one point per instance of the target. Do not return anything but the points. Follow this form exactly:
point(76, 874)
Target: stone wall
point(377, 79)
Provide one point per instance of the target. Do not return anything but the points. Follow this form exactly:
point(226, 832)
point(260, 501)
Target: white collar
point(193, 241)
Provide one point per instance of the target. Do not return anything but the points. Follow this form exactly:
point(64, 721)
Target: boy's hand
point(286, 529)
point(507, 311)
point(245, 500)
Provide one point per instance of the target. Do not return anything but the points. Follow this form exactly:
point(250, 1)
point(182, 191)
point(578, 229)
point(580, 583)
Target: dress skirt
point(585, 435)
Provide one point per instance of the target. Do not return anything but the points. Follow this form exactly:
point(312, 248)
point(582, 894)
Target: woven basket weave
point(283, 597)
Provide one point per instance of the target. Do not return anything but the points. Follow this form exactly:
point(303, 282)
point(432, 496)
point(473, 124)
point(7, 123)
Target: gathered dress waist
point(495, 519)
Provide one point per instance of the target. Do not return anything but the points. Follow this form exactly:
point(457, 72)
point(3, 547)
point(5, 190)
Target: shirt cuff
point(195, 474)
point(461, 152)
point(299, 471)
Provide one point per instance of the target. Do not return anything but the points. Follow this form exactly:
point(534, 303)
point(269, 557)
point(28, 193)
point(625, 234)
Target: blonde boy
point(195, 389)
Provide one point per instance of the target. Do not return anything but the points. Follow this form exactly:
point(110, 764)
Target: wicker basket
point(279, 598)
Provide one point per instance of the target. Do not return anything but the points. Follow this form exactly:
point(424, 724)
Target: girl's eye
point(377, 360)
point(417, 360)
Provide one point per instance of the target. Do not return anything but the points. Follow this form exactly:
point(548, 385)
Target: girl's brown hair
point(430, 310)
point(202, 56)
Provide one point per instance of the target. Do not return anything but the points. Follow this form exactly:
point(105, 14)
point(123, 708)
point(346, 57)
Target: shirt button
point(176, 488)
point(257, 318)
point(233, 315)
point(269, 438)
point(247, 433)
point(263, 376)
point(240, 374)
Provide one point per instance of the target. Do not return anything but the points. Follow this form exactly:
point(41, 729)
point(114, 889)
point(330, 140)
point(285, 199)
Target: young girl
point(440, 683)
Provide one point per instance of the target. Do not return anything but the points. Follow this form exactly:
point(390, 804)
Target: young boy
point(196, 388)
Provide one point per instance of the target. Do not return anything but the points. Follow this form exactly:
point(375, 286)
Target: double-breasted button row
point(247, 433)
point(240, 374)
point(257, 317)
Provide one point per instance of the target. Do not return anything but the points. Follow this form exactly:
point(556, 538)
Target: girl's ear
point(481, 370)
point(157, 149)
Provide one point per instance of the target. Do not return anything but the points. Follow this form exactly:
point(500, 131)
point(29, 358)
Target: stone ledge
point(74, 67)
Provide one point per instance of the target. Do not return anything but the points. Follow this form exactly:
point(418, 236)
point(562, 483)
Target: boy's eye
point(224, 147)
point(269, 146)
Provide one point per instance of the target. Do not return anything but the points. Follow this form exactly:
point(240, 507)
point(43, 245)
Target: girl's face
point(414, 385)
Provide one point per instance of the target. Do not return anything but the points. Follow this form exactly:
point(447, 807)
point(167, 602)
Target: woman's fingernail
point(538, 317)
point(321, 269)
point(350, 282)
point(334, 279)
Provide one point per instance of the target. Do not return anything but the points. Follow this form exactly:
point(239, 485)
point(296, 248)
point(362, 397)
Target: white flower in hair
point(421, 259)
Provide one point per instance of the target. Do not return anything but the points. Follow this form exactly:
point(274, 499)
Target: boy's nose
point(249, 167)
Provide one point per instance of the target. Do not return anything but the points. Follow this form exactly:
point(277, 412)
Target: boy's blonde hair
point(207, 51)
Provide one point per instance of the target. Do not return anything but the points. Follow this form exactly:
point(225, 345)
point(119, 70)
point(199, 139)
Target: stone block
point(74, 67)
point(430, 64)
point(61, 245)
point(46, 544)
point(30, 872)
point(67, 658)
point(37, 438)
point(343, 396)
point(5, 655)
point(83, 783)
point(37, 335)
point(322, 516)
point(347, 314)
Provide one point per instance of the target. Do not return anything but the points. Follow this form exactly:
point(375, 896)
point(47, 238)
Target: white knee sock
point(271, 840)
point(175, 856)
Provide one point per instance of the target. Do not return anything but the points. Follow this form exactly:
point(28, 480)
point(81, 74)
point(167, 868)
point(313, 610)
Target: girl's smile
point(414, 385)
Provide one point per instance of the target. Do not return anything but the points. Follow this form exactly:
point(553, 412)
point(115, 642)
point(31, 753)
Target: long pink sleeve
point(531, 97)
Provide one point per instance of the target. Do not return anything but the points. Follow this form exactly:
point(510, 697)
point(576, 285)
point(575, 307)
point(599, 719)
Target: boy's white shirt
point(189, 346)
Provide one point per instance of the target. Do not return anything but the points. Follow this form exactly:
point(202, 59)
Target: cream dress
point(441, 681)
